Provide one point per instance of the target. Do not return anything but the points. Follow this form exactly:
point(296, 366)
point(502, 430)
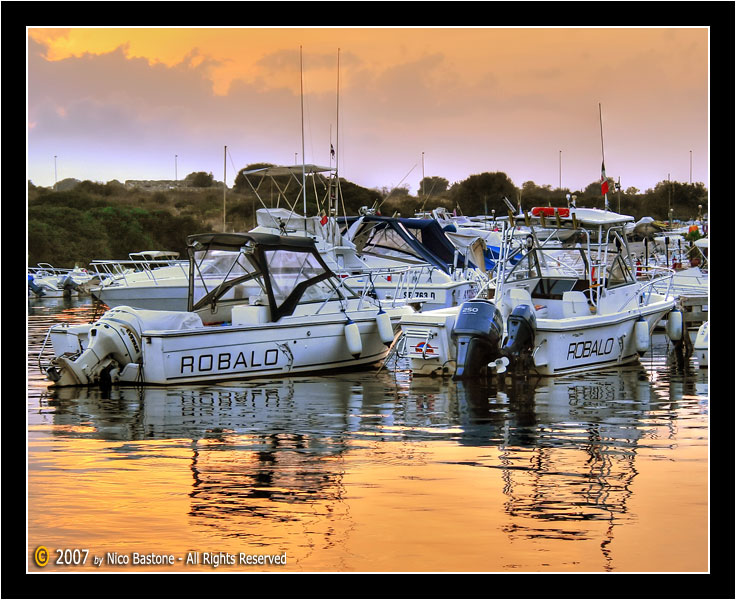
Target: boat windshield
point(385, 241)
point(279, 276)
point(571, 264)
point(550, 262)
point(288, 269)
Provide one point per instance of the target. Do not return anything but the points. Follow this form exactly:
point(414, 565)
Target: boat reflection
point(568, 449)
point(276, 452)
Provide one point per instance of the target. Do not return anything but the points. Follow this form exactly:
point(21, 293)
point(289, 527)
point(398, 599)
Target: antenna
point(604, 180)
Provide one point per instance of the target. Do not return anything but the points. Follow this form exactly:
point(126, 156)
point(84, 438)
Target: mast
point(224, 189)
point(604, 181)
point(333, 224)
point(304, 177)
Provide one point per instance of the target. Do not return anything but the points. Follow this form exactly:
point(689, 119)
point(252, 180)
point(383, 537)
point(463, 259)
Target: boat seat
point(250, 314)
point(575, 304)
point(516, 296)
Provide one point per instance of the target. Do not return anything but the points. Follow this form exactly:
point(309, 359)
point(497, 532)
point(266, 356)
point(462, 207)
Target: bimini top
point(415, 240)
point(285, 266)
point(235, 241)
point(276, 171)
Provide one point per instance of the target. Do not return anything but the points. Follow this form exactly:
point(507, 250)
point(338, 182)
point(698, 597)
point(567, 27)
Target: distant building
point(161, 185)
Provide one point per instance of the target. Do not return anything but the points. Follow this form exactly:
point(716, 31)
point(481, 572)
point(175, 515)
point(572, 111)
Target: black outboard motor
point(522, 327)
point(477, 333)
point(69, 285)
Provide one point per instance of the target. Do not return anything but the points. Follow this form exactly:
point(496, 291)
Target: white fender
point(385, 329)
point(641, 335)
point(674, 325)
point(352, 337)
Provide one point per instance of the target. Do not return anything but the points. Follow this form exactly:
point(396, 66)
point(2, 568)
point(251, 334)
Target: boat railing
point(656, 280)
point(121, 271)
point(46, 270)
point(369, 277)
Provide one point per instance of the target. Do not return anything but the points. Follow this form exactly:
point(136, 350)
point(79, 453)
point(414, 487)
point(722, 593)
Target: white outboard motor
point(477, 333)
point(522, 327)
point(114, 339)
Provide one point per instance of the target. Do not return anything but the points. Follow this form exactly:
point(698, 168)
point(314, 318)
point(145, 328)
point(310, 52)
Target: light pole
point(55, 176)
point(617, 185)
point(560, 186)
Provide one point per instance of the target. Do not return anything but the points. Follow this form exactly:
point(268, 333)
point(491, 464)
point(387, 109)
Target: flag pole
point(604, 180)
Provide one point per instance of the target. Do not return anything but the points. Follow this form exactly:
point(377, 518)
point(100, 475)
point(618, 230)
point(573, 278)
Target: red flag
point(604, 180)
point(323, 220)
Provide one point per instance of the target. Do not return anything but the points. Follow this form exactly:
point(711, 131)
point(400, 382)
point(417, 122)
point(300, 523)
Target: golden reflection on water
point(369, 502)
point(376, 473)
point(448, 509)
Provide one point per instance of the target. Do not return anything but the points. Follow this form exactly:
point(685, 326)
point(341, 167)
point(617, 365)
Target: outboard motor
point(477, 333)
point(35, 288)
point(115, 339)
point(522, 327)
point(69, 285)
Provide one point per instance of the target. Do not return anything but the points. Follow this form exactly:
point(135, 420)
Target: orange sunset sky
point(159, 103)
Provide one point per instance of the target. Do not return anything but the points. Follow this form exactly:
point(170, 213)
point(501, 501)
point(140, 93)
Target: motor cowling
point(477, 334)
point(521, 326)
point(114, 337)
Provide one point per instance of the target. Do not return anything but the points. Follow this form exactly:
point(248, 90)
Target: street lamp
point(617, 185)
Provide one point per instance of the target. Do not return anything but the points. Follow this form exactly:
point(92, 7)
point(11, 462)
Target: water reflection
point(285, 463)
point(260, 449)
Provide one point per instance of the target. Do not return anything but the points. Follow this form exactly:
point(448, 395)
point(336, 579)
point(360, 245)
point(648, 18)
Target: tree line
point(83, 221)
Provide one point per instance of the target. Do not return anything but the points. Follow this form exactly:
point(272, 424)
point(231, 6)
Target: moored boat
point(565, 307)
point(276, 309)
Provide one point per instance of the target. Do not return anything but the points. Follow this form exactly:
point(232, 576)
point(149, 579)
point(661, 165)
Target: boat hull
point(561, 346)
point(299, 344)
point(599, 344)
point(152, 297)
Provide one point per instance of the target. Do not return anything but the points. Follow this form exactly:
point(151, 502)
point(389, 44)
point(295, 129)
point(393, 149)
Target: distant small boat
point(275, 309)
point(45, 281)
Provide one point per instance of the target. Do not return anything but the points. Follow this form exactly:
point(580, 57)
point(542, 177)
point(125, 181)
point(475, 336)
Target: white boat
point(362, 246)
point(415, 280)
point(563, 308)
point(161, 284)
point(150, 279)
point(46, 281)
point(278, 310)
point(690, 286)
point(440, 274)
point(701, 346)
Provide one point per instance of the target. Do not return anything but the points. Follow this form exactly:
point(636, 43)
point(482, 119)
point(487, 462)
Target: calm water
point(370, 472)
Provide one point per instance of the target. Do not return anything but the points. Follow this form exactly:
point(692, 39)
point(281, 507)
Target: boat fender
point(352, 337)
point(674, 325)
point(385, 329)
point(641, 335)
